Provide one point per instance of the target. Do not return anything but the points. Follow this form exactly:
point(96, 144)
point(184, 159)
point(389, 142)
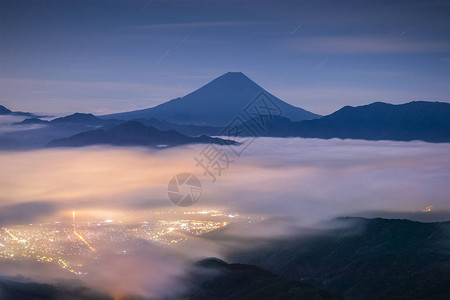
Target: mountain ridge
point(417, 120)
point(132, 133)
point(6, 111)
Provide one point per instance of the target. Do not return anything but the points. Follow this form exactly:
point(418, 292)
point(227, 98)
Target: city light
point(71, 246)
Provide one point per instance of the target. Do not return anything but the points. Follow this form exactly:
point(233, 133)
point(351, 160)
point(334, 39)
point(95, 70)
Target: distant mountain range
point(215, 104)
point(208, 111)
point(80, 118)
point(73, 119)
point(421, 120)
point(133, 133)
point(32, 121)
point(426, 121)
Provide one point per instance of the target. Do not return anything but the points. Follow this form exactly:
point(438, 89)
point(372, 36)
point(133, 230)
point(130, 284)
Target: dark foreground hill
point(365, 259)
point(215, 279)
point(133, 133)
point(12, 288)
point(208, 279)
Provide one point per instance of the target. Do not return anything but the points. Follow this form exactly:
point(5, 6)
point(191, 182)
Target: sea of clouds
point(304, 181)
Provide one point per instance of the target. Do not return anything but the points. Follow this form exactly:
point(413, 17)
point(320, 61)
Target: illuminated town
point(71, 246)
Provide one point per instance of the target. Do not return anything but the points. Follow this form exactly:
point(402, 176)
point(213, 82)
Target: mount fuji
point(215, 104)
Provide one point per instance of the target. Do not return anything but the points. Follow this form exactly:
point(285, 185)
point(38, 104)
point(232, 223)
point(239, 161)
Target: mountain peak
point(216, 104)
point(232, 80)
point(234, 75)
point(76, 118)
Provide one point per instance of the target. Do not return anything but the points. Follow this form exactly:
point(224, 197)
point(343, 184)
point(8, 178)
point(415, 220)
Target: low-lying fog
point(307, 179)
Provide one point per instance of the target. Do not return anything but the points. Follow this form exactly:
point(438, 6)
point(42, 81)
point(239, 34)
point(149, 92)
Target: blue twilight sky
point(110, 56)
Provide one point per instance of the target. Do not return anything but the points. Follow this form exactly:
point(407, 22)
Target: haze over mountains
point(208, 110)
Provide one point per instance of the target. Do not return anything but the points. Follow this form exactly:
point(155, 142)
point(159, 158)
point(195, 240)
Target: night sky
point(112, 56)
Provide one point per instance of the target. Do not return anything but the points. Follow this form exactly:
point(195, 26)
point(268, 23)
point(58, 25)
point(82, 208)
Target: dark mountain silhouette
point(209, 279)
point(32, 121)
point(215, 104)
point(33, 138)
point(364, 258)
point(83, 119)
point(18, 288)
point(89, 120)
point(6, 111)
point(427, 121)
point(133, 133)
point(216, 279)
point(68, 126)
point(192, 130)
point(421, 120)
